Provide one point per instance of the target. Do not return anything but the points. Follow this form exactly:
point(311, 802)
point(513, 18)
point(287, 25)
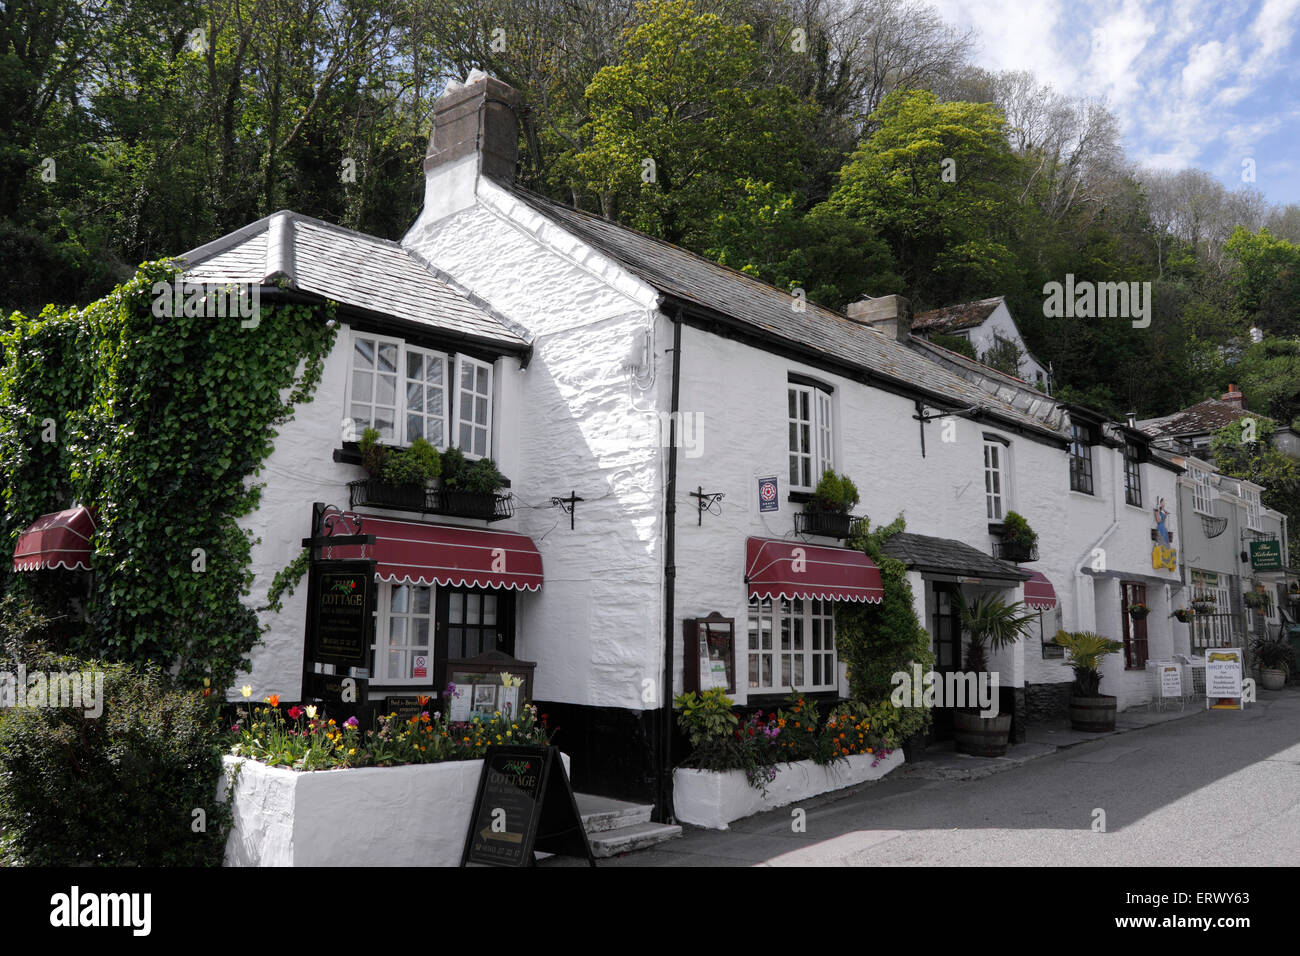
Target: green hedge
point(120, 789)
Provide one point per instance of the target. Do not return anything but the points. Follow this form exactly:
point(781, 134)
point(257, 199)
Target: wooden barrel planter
point(1093, 715)
point(981, 736)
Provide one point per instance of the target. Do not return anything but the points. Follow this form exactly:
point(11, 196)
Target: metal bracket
point(706, 501)
point(568, 505)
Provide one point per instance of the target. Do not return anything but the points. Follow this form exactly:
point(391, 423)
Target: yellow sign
point(1162, 557)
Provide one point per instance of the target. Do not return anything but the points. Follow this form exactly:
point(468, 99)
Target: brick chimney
point(475, 132)
point(1233, 396)
point(890, 315)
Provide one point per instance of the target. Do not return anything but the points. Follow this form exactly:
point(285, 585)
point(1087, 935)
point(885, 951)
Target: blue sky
point(1205, 83)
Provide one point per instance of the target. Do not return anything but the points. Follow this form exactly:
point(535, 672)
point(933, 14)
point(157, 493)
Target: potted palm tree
point(1090, 709)
point(1274, 659)
point(993, 624)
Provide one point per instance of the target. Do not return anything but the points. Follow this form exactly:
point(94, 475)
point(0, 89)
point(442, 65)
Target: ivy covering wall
point(161, 426)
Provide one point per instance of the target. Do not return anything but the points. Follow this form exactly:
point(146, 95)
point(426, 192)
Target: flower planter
point(382, 494)
point(467, 504)
point(981, 736)
point(1138, 614)
point(414, 815)
point(1272, 678)
point(1018, 552)
point(1094, 715)
point(829, 524)
point(711, 799)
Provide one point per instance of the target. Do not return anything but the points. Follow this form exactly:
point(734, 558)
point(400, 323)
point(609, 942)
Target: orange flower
point(274, 700)
point(423, 699)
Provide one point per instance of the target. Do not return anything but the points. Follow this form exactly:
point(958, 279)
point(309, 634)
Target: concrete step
point(636, 837)
point(601, 814)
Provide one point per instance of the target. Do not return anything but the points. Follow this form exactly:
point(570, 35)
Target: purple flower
point(451, 691)
point(350, 722)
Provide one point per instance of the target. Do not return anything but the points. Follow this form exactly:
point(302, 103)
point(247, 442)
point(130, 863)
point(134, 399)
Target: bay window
point(791, 645)
point(811, 434)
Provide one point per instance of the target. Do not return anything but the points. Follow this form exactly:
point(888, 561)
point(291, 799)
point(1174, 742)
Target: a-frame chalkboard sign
point(524, 804)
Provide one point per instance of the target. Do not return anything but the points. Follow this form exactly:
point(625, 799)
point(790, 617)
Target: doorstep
point(941, 761)
point(615, 826)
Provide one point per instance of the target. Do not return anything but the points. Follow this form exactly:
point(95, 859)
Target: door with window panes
point(945, 641)
point(473, 621)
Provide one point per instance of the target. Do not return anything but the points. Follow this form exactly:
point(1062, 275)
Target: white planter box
point(708, 799)
point(414, 815)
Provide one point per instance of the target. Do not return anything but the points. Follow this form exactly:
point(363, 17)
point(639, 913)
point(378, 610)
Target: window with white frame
point(1254, 512)
point(473, 407)
point(1132, 474)
point(995, 479)
point(406, 392)
point(373, 388)
point(426, 396)
point(404, 651)
point(1202, 491)
point(811, 435)
point(791, 645)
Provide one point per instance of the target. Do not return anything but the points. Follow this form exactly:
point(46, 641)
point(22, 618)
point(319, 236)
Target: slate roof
point(922, 552)
point(953, 317)
point(1009, 388)
point(351, 268)
point(767, 310)
point(1201, 418)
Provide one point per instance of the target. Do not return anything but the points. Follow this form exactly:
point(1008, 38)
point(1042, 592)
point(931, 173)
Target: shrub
point(1017, 529)
point(482, 477)
point(373, 454)
point(836, 492)
point(454, 466)
point(120, 789)
point(417, 465)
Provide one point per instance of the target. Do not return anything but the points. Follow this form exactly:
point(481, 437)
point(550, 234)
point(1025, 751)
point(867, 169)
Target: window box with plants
point(828, 512)
point(419, 479)
point(1090, 710)
point(1275, 661)
point(1019, 542)
point(993, 625)
point(739, 768)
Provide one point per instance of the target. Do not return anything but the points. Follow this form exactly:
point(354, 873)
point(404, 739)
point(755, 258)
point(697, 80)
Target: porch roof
point(922, 552)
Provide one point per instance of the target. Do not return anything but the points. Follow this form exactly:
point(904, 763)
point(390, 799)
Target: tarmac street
point(1192, 788)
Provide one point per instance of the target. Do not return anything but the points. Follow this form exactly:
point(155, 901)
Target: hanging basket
point(1183, 615)
point(1203, 607)
point(1138, 611)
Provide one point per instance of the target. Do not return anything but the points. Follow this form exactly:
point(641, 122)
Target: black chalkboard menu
point(340, 622)
point(524, 803)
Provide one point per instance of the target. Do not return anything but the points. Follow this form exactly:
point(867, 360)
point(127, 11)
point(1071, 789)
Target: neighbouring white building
point(986, 325)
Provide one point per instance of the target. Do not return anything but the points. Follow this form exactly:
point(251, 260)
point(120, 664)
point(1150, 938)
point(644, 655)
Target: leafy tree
point(934, 181)
point(1261, 462)
point(677, 124)
point(1269, 373)
point(1266, 280)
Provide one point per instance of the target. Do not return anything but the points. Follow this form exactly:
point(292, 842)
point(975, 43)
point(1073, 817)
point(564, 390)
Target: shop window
point(1215, 628)
point(419, 628)
point(811, 431)
point(791, 645)
point(1081, 441)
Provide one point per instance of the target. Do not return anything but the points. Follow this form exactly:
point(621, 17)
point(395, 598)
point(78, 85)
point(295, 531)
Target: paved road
point(1216, 788)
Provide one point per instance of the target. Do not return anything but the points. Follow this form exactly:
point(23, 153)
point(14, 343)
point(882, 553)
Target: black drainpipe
point(663, 801)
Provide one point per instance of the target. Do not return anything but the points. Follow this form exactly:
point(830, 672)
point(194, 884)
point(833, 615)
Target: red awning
point(409, 552)
point(58, 540)
point(791, 569)
point(1039, 593)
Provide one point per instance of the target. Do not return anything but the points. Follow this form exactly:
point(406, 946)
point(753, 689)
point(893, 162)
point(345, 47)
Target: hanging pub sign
point(768, 496)
point(524, 803)
point(340, 620)
point(1223, 667)
point(1266, 555)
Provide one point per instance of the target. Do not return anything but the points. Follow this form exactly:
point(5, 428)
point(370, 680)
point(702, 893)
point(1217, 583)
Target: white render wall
point(585, 424)
point(1000, 323)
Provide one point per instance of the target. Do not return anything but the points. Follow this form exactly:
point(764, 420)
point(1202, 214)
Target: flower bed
point(714, 799)
point(414, 815)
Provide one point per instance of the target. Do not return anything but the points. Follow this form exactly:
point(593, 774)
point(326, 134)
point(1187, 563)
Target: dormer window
point(405, 392)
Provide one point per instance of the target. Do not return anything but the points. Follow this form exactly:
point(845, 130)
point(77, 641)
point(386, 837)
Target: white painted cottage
point(663, 421)
point(986, 325)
